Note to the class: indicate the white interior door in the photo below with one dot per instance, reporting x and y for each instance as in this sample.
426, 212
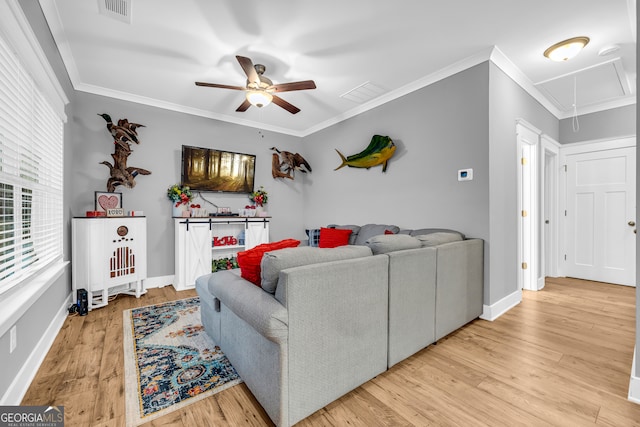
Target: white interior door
600, 218
527, 146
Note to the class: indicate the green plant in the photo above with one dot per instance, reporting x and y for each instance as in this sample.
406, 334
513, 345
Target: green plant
179, 194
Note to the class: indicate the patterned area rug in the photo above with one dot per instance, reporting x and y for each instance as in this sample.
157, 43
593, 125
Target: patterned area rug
170, 361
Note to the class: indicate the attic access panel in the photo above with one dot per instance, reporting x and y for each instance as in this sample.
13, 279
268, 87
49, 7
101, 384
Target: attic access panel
606, 82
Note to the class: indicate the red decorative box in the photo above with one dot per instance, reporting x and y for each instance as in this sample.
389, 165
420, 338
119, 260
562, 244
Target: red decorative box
94, 214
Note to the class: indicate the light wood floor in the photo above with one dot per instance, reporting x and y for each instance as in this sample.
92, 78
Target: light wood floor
562, 357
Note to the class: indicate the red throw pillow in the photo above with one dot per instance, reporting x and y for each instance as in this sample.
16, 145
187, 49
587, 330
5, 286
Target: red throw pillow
388, 232
333, 237
249, 261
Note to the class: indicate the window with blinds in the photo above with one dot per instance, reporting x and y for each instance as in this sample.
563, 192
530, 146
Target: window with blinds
31, 150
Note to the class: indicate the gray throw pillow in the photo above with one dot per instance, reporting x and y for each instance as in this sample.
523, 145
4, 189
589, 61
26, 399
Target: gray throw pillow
367, 231
273, 262
385, 243
435, 239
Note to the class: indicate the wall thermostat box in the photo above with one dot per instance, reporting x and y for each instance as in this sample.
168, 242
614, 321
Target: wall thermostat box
465, 174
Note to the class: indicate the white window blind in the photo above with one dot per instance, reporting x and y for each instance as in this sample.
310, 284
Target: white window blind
31, 150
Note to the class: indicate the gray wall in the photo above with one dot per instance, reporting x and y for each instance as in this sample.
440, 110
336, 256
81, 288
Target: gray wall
508, 102
160, 152
617, 122
438, 130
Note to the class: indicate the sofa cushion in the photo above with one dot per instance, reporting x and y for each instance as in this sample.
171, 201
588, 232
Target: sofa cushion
367, 231
274, 262
385, 243
333, 237
439, 238
249, 261
423, 231
355, 229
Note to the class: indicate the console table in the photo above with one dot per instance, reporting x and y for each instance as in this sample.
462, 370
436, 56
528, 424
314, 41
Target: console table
109, 257
201, 240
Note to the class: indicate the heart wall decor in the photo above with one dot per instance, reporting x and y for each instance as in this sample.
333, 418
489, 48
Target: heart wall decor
105, 201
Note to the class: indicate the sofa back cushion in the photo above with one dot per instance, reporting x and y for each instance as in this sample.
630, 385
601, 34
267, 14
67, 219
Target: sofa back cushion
385, 243
274, 262
249, 261
435, 239
423, 231
367, 231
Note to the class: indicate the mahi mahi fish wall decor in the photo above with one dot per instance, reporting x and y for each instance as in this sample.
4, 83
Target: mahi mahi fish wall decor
380, 150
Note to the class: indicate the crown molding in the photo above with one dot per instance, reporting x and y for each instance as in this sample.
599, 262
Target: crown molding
165, 105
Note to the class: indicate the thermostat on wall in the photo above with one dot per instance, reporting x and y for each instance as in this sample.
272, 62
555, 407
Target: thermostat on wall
465, 174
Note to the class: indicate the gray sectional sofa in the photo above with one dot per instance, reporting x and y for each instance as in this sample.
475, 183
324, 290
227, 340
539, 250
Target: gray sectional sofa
341, 316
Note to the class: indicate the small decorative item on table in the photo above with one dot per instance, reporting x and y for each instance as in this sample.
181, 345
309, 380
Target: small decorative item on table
104, 201
180, 196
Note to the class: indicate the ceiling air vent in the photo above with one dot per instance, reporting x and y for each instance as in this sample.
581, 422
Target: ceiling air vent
363, 93
116, 9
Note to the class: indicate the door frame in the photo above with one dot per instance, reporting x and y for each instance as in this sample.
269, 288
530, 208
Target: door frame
581, 148
549, 208
528, 238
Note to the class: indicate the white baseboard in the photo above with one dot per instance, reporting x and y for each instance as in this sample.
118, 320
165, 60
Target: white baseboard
158, 282
493, 311
634, 382
22, 381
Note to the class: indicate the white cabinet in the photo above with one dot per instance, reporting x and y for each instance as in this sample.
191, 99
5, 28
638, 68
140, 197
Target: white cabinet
201, 240
109, 256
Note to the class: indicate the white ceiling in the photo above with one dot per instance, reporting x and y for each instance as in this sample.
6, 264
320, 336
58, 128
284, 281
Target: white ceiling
391, 48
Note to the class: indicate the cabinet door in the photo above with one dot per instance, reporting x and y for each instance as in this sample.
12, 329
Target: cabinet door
256, 234
197, 253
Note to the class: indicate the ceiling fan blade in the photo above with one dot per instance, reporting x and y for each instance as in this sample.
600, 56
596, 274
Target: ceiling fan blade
244, 106
288, 87
249, 69
284, 104
220, 86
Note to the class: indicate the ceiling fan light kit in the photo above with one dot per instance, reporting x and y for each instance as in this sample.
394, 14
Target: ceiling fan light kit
259, 89
566, 49
259, 98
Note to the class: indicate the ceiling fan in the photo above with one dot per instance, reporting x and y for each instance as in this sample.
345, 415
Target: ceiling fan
260, 90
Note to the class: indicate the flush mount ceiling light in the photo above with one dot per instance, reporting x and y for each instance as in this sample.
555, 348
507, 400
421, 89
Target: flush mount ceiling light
566, 49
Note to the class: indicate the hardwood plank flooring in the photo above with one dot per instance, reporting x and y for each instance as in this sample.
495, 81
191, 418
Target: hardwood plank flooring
560, 358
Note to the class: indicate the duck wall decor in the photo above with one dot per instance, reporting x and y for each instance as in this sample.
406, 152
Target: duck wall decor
380, 150
285, 163
124, 134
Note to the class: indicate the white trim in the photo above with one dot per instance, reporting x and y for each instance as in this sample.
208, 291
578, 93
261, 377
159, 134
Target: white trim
549, 147
17, 300
430, 79
597, 145
158, 282
21, 382
15, 27
492, 312
510, 69
634, 382
528, 137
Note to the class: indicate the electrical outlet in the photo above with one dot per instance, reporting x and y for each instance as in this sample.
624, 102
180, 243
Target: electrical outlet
13, 338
